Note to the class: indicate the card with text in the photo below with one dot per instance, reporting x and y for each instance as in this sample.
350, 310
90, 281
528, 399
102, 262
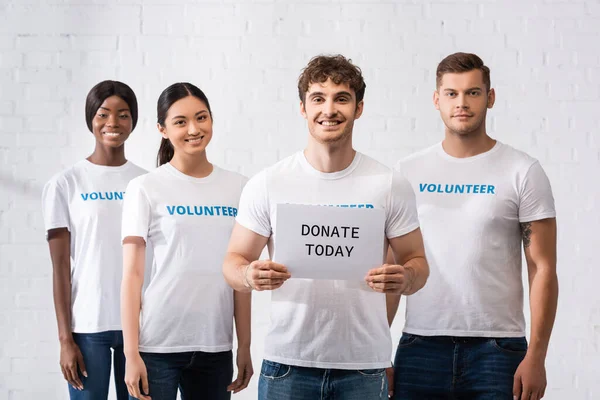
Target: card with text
323, 242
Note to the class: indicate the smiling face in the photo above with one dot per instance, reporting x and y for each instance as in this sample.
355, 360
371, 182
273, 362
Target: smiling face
112, 123
463, 99
330, 110
188, 126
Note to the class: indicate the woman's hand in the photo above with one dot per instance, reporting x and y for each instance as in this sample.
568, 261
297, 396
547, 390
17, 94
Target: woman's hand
135, 371
245, 370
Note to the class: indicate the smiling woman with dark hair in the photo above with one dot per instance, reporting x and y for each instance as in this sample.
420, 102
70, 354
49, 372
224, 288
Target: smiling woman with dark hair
82, 216
185, 208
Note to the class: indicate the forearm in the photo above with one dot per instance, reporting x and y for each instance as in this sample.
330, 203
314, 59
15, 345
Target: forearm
418, 271
242, 311
131, 296
543, 298
234, 268
392, 301
61, 285
131, 293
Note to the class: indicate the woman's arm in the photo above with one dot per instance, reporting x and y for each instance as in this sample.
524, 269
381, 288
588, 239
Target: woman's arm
134, 254
71, 359
242, 303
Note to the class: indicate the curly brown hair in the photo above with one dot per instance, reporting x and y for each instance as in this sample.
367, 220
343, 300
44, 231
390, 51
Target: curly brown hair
337, 68
462, 62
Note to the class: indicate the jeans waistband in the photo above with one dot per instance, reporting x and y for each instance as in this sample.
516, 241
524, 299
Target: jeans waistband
455, 339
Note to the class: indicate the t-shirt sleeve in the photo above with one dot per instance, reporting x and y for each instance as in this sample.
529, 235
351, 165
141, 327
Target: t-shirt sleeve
136, 211
535, 198
253, 211
55, 207
401, 215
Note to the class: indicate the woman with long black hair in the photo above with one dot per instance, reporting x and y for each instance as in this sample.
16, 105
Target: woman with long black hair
185, 209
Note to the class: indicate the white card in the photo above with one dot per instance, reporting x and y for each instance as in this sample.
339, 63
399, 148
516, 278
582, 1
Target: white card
323, 242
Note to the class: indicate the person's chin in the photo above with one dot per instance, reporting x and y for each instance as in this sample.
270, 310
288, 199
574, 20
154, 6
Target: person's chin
196, 150
462, 131
331, 135
113, 143
329, 138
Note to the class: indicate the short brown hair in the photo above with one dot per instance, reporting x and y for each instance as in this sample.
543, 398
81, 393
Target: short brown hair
337, 68
462, 62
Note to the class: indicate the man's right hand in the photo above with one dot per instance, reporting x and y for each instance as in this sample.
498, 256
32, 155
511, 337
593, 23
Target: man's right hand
71, 362
135, 371
265, 275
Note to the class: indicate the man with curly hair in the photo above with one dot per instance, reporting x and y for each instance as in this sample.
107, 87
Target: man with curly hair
328, 339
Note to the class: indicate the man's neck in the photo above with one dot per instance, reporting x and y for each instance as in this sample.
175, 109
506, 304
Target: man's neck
462, 146
329, 157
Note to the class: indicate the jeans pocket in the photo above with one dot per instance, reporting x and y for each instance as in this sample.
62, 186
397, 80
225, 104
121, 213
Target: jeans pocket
273, 370
377, 372
407, 339
517, 346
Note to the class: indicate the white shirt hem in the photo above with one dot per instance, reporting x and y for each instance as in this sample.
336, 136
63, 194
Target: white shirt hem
328, 365
537, 217
57, 224
95, 329
253, 227
404, 231
459, 333
183, 349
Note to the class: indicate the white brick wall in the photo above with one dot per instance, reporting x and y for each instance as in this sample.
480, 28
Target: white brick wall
246, 55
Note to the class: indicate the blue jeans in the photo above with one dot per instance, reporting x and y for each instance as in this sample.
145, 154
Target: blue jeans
285, 382
197, 375
96, 351
444, 367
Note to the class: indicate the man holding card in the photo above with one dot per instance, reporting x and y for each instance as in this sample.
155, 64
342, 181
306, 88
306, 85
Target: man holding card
329, 335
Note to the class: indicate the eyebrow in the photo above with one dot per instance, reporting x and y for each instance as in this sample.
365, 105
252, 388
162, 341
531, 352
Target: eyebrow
195, 115
343, 93
469, 89
108, 109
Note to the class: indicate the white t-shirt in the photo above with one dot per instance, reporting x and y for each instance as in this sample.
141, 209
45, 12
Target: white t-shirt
187, 305
87, 200
470, 210
328, 323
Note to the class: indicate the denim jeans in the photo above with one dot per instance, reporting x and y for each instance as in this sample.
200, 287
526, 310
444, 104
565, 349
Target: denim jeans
444, 367
197, 375
284, 382
96, 351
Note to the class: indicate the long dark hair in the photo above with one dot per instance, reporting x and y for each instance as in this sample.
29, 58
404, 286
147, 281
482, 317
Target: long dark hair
104, 90
170, 95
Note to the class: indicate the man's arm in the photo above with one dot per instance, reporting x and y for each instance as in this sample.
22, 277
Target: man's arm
241, 267
539, 243
409, 251
392, 301
411, 271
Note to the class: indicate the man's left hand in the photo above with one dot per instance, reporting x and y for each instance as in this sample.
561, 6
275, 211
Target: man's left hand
530, 379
